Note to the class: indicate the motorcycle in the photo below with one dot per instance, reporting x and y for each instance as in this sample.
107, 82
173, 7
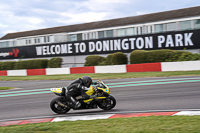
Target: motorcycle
103, 100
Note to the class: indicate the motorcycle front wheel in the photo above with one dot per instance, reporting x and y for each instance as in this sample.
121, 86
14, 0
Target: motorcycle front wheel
108, 103
54, 105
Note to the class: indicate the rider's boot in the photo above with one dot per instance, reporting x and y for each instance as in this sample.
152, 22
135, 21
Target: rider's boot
75, 103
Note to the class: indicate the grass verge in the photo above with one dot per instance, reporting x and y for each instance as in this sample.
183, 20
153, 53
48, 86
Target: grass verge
6, 88
102, 76
152, 124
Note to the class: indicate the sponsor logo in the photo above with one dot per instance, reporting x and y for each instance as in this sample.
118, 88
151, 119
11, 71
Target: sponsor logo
13, 53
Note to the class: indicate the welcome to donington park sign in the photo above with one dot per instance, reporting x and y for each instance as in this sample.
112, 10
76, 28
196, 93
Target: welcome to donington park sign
171, 40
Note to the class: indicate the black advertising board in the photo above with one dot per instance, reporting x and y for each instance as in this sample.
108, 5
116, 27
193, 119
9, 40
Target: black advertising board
171, 40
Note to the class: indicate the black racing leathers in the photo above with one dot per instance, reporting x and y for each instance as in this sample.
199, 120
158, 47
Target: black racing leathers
76, 88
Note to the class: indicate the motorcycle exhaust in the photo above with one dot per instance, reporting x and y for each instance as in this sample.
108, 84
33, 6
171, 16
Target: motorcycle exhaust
62, 105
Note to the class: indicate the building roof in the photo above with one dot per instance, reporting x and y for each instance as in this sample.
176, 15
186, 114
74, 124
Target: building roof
167, 15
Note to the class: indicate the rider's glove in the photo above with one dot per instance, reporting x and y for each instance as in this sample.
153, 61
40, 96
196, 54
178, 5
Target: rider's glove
94, 88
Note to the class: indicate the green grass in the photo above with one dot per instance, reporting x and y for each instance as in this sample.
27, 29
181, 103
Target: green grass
102, 76
152, 124
6, 88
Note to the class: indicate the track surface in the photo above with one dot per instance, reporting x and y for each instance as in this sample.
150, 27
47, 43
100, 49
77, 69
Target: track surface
136, 94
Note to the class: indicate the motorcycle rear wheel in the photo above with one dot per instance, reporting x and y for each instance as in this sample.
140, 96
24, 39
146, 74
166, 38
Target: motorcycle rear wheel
108, 103
57, 108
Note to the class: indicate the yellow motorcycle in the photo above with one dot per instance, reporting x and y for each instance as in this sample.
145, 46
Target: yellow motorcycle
103, 100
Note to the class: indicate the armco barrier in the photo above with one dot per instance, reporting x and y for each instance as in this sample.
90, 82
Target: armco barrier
36, 72
180, 66
111, 69
76, 70
54, 71
3, 73
17, 73
146, 67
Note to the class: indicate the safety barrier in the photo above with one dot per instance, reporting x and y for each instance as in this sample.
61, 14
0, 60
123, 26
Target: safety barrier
3, 73
76, 70
54, 71
181, 66
17, 73
110, 69
146, 67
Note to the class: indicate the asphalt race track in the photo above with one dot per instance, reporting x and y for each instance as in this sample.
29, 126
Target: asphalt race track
31, 98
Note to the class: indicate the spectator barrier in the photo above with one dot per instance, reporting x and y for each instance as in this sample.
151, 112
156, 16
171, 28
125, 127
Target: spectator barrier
146, 67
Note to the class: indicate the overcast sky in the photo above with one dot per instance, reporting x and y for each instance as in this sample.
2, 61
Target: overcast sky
23, 15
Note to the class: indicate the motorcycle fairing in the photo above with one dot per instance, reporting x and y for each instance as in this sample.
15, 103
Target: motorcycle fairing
57, 91
89, 92
88, 100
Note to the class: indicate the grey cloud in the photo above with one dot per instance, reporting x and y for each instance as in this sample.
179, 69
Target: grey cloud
16, 15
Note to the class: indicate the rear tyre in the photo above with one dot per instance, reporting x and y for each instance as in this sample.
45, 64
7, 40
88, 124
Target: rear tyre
58, 108
108, 103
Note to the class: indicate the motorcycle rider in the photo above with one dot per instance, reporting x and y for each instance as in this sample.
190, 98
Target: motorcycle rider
77, 88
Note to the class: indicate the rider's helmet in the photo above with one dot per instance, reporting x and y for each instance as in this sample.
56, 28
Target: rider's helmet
87, 81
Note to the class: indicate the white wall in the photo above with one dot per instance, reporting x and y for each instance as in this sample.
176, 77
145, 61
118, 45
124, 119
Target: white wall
17, 73
54, 71
111, 69
180, 66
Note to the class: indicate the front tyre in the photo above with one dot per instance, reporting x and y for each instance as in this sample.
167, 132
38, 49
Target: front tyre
54, 105
108, 103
